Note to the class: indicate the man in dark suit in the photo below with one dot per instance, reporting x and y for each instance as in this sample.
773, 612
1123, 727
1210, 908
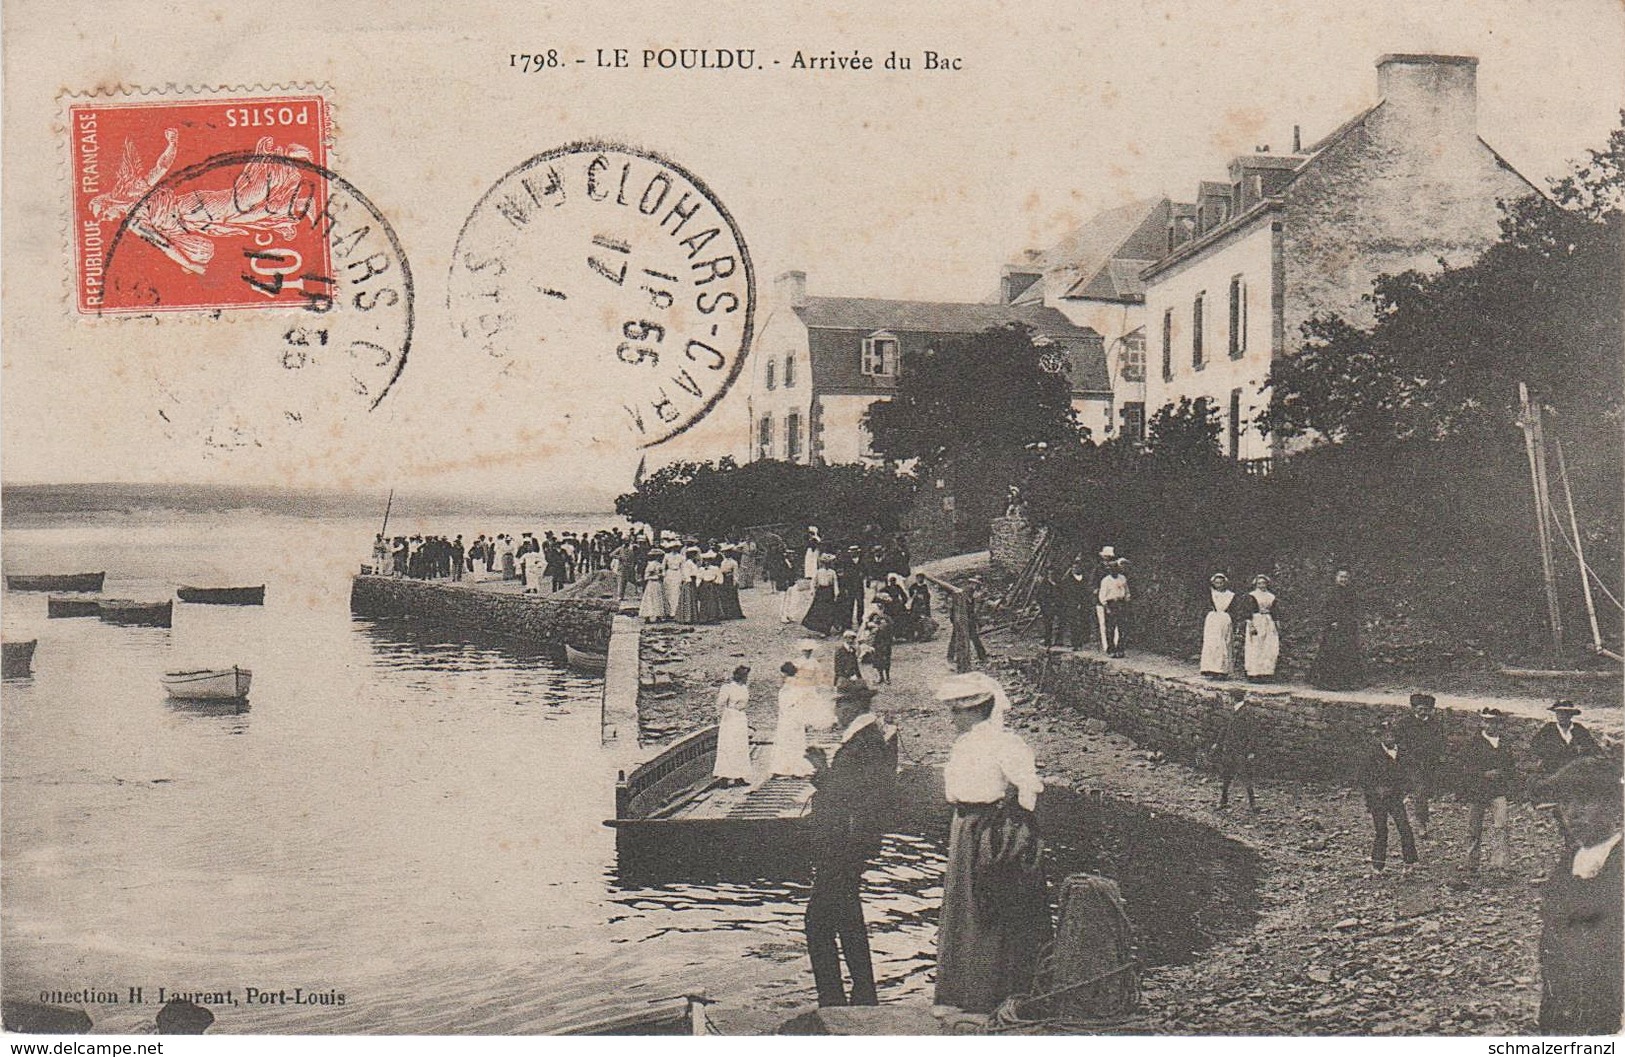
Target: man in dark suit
849, 587
850, 809
1562, 741
1382, 780
1236, 748
846, 659
1490, 776
1421, 751
1580, 955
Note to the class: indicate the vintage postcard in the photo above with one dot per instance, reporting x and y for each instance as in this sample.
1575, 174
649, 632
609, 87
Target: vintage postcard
760, 519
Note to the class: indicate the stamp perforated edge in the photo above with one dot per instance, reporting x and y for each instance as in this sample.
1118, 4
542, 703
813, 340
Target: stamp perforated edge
62, 130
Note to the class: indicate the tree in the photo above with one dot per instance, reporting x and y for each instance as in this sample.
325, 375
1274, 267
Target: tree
1543, 306
1185, 434
983, 396
721, 499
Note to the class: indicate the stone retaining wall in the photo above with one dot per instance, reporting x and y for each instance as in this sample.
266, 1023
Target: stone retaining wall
583, 623
1300, 736
1010, 543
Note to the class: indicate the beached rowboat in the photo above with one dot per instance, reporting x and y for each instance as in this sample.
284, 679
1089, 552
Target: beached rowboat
71, 607
684, 1016
223, 596
585, 660
57, 582
208, 684
125, 611
17, 658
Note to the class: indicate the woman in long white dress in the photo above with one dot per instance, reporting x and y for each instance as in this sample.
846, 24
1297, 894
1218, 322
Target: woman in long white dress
733, 729
653, 606
790, 732
1216, 661
1261, 649
672, 577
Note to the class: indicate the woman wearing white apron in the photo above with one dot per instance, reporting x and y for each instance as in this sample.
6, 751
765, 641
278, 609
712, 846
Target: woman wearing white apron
1261, 649
1216, 661
733, 729
790, 733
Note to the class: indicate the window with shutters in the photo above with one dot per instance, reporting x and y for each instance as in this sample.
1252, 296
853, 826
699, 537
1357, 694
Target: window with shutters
1238, 317
792, 436
1134, 423
1168, 345
764, 438
1198, 311
880, 356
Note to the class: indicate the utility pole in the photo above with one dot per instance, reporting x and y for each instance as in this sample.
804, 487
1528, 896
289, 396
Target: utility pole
1579, 547
1534, 445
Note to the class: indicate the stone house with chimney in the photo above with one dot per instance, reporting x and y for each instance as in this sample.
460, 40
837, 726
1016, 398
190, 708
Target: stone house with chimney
1402, 185
819, 362
1092, 276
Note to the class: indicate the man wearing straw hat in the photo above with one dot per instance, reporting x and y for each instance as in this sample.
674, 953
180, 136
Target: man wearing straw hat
849, 809
1562, 741
1490, 772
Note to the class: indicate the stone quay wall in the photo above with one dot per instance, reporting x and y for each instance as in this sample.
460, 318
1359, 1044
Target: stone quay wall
1299, 735
582, 623
1011, 541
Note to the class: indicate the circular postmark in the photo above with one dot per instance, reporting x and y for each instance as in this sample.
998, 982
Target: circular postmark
609, 288
284, 298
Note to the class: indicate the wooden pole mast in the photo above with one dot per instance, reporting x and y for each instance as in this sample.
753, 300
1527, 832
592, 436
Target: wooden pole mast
1534, 446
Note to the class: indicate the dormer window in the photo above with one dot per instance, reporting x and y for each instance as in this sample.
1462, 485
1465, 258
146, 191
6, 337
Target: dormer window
880, 355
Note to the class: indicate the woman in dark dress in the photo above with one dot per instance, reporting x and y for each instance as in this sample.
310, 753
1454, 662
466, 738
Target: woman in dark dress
1337, 663
731, 568
708, 589
824, 615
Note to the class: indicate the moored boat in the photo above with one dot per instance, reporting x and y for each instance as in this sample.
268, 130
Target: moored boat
71, 607
585, 660
222, 596
57, 582
17, 658
208, 684
676, 1016
127, 611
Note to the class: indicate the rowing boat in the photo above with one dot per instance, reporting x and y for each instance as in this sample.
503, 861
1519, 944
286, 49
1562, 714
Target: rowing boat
17, 658
71, 607
126, 611
585, 660
57, 582
676, 1016
208, 684
222, 596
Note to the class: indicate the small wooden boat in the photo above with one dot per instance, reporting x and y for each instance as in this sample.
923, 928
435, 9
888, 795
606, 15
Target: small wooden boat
126, 611
222, 596
17, 658
585, 660
57, 582
676, 1016
671, 816
208, 684
71, 607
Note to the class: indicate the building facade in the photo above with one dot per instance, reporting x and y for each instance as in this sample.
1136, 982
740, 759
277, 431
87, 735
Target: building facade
819, 362
1403, 185
1092, 276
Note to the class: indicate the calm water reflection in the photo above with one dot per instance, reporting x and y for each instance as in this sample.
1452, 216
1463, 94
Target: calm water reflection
408, 819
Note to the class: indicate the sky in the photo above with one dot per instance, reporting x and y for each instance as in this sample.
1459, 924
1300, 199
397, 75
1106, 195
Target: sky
876, 184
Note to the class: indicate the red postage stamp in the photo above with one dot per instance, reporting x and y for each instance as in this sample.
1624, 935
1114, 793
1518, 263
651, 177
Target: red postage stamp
208, 203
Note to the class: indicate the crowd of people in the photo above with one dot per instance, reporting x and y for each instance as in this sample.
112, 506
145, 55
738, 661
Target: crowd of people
556, 558
1077, 605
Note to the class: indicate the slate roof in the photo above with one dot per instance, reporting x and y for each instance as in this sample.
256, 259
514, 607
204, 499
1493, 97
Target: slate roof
933, 317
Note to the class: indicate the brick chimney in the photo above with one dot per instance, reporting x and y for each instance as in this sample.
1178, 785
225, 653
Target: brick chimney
1436, 94
790, 289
